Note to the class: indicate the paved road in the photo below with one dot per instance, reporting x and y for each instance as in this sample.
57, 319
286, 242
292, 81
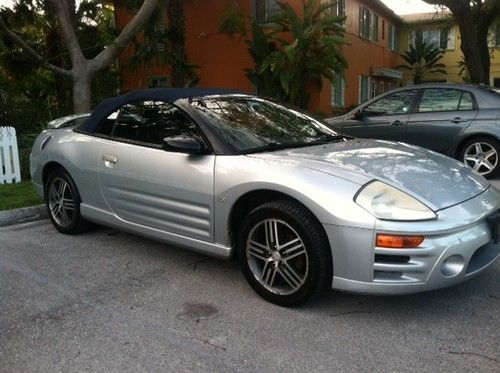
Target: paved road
110, 301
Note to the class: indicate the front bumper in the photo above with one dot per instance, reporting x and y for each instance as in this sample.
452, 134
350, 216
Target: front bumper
458, 245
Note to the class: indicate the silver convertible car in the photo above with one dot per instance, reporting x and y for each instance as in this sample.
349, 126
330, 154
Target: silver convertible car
302, 207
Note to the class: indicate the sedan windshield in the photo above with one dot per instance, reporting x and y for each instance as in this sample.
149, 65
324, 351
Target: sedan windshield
251, 124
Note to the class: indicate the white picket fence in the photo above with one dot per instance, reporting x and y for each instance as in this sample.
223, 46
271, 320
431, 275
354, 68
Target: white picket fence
9, 156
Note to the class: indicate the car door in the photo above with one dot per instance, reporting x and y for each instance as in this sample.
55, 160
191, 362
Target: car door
144, 184
384, 118
441, 115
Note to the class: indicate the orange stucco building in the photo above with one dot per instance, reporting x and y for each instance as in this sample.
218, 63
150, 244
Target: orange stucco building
371, 32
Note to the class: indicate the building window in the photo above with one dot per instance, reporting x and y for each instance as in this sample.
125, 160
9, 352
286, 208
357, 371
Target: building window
265, 8
337, 8
338, 92
364, 86
158, 82
368, 24
439, 38
496, 82
393, 38
373, 90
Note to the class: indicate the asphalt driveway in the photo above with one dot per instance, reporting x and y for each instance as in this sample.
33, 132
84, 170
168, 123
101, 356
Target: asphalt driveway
110, 301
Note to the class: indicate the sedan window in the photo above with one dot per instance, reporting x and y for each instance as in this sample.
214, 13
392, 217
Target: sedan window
445, 100
152, 121
466, 102
396, 103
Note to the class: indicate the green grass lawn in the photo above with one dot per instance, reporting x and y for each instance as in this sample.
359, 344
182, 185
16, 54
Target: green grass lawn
13, 196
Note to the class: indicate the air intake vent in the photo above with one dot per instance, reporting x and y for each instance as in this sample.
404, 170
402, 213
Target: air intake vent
398, 259
45, 142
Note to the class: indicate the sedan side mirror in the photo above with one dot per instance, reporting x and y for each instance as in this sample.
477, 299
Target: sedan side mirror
183, 144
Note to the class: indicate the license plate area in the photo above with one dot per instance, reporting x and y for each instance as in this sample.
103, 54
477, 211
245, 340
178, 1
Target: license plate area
494, 224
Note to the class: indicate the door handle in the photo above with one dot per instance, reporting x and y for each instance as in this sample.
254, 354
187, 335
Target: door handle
396, 123
458, 120
109, 160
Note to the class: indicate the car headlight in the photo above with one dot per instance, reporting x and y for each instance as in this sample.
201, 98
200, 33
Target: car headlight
388, 203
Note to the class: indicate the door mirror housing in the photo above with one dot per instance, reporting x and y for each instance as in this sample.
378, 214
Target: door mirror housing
183, 144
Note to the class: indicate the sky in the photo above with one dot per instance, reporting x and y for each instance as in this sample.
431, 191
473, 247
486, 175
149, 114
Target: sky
398, 6
409, 6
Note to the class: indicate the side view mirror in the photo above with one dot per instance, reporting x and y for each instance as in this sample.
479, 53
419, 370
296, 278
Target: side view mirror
358, 115
183, 144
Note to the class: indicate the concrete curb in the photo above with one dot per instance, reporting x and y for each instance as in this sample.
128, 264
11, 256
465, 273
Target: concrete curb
22, 215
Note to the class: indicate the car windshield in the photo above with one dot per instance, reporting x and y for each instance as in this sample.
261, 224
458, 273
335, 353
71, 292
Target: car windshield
252, 124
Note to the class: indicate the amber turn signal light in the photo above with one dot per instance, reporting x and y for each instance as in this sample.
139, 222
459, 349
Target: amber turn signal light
398, 242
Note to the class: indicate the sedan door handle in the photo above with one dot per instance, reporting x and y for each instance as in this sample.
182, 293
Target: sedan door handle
458, 120
109, 160
396, 123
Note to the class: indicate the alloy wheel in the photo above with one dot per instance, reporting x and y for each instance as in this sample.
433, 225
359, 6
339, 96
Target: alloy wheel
277, 256
61, 202
482, 157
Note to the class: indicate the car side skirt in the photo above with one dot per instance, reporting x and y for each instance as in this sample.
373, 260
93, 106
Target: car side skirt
111, 220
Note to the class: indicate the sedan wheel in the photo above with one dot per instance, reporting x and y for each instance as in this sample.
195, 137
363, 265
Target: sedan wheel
284, 253
482, 156
63, 203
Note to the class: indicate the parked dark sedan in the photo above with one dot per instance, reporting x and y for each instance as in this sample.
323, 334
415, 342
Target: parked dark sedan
459, 120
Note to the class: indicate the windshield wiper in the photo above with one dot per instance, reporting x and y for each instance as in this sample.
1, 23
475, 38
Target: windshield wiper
332, 138
272, 146
268, 148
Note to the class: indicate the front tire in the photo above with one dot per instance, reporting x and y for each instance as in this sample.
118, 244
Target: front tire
284, 253
63, 203
482, 155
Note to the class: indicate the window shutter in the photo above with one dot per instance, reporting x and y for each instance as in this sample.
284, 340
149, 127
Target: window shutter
360, 20
451, 39
375, 27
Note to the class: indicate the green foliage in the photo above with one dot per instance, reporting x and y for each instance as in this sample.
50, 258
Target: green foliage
13, 196
232, 21
293, 51
422, 59
163, 44
31, 96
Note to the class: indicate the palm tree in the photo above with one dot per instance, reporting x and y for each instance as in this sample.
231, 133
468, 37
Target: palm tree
313, 52
422, 59
284, 66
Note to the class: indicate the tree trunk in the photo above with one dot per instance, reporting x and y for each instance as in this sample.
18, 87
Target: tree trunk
473, 50
82, 84
474, 19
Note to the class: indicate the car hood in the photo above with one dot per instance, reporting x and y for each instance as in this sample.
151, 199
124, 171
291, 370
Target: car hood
434, 179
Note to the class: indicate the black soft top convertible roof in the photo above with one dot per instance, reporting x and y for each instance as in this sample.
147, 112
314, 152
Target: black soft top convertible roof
170, 95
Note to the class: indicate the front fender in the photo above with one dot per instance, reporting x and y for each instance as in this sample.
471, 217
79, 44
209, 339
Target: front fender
329, 198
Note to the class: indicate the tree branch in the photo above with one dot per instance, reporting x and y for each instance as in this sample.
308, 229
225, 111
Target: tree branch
67, 31
26, 48
137, 23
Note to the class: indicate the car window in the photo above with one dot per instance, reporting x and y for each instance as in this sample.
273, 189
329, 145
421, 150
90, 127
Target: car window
438, 99
466, 102
149, 122
396, 103
106, 126
252, 123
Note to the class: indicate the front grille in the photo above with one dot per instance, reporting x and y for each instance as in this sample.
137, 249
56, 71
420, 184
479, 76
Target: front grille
390, 265
382, 258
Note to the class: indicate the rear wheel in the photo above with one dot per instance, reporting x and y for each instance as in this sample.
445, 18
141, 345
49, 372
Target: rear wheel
284, 253
63, 203
482, 155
